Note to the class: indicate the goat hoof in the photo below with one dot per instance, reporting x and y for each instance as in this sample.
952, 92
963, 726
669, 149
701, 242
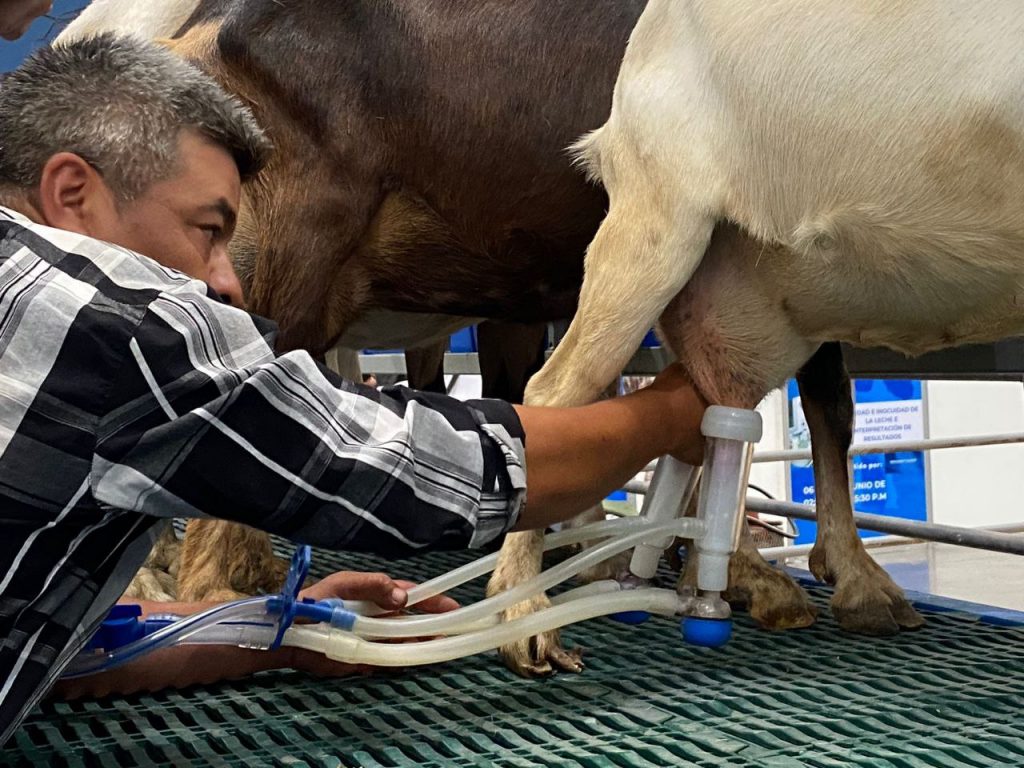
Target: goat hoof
867, 608
795, 611
866, 599
613, 568
540, 655
629, 581
775, 601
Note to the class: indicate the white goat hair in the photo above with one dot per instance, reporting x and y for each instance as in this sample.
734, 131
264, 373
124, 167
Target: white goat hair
863, 162
148, 19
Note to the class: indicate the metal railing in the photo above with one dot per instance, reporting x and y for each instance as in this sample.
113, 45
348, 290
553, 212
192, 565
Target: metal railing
992, 362
994, 538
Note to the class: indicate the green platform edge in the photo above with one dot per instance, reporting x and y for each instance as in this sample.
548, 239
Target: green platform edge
951, 694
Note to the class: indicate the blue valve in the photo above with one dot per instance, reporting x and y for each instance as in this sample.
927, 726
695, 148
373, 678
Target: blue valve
122, 626
630, 617
708, 633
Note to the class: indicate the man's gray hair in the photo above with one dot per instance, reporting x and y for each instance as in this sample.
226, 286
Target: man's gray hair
121, 104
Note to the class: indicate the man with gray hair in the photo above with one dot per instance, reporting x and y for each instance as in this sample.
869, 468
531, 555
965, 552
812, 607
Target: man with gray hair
111, 112
131, 391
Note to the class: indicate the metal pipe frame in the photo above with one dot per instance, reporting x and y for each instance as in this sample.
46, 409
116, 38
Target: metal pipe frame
899, 446
977, 538
888, 446
653, 360
801, 550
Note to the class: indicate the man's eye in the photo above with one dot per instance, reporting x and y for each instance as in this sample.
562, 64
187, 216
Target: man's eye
211, 231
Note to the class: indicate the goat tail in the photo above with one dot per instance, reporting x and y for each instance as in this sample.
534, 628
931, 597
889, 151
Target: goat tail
586, 155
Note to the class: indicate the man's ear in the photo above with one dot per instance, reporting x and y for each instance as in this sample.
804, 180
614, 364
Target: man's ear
73, 195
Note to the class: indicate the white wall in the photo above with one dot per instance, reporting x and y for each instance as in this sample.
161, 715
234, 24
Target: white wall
975, 486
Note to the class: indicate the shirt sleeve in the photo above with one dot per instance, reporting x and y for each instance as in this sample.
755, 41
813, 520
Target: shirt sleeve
205, 421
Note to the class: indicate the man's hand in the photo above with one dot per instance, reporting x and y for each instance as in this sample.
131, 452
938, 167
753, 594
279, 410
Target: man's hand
577, 456
16, 16
377, 588
685, 410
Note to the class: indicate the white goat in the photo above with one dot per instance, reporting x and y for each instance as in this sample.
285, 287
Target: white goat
869, 156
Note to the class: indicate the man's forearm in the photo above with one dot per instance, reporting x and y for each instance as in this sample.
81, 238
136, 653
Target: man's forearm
577, 456
177, 667
186, 665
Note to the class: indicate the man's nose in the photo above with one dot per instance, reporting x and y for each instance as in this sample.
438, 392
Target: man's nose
224, 280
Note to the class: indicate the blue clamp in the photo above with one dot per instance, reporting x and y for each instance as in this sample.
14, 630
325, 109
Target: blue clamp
285, 605
124, 624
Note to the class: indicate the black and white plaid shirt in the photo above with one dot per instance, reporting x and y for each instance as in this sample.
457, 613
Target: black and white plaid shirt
128, 395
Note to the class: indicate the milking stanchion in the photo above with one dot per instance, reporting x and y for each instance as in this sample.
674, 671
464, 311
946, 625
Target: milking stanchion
354, 632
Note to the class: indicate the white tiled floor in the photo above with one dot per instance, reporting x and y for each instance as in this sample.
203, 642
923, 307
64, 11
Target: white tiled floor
975, 575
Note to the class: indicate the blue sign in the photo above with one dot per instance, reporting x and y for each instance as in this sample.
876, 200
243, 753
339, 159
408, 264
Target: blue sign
890, 484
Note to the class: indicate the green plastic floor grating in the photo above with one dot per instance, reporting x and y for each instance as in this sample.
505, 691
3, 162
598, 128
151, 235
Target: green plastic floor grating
949, 695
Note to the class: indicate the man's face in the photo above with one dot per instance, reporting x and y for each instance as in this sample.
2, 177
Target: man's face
186, 221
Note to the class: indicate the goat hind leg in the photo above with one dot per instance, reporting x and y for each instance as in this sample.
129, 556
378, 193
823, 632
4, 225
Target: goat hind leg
636, 264
639, 260
866, 599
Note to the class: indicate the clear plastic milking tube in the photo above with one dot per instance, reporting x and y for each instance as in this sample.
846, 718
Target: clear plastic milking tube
671, 488
731, 434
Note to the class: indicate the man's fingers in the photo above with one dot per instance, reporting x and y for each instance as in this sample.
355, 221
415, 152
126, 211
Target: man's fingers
378, 588
435, 604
